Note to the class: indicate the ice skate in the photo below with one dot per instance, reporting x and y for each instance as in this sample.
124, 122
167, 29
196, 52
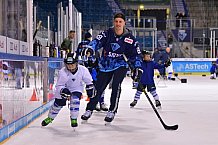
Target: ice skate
133, 103
86, 116
46, 121
97, 108
109, 118
103, 107
212, 78
158, 104
74, 122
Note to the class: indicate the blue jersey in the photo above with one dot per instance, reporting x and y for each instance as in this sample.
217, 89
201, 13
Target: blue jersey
92, 64
156, 56
113, 49
82, 45
164, 57
213, 68
148, 67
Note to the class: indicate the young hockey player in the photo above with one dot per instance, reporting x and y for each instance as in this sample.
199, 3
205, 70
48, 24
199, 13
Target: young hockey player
214, 69
83, 45
147, 78
115, 42
91, 62
165, 55
70, 85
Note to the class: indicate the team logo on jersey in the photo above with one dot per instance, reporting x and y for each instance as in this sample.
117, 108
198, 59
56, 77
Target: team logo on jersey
128, 40
99, 37
115, 46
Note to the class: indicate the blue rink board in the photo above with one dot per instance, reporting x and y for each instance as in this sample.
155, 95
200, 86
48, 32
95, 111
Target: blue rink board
14, 127
192, 66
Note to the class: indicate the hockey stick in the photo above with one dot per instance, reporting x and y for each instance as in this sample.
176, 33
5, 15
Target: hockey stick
167, 127
176, 75
182, 80
38, 26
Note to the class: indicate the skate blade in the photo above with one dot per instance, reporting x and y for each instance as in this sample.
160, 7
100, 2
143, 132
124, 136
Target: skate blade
104, 110
107, 123
74, 129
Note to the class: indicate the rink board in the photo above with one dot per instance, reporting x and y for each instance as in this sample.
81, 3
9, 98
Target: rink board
14, 127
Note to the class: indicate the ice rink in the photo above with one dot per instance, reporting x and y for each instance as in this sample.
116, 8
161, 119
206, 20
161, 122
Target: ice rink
192, 105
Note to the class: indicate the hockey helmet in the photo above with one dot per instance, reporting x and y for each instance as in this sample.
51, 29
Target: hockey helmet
71, 58
88, 35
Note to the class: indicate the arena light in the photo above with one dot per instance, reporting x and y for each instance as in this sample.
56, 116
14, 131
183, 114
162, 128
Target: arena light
141, 7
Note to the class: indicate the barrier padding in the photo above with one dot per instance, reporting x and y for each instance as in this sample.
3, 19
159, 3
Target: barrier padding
15, 126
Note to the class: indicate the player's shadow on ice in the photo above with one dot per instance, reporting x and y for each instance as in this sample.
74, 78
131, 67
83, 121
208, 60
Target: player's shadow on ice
62, 132
147, 109
123, 128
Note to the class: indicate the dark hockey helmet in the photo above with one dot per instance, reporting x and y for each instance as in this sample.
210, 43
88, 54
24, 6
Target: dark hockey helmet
71, 58
88, 35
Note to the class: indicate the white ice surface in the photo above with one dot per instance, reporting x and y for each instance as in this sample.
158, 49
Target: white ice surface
193, 106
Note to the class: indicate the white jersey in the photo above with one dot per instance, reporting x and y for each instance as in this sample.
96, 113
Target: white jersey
74, 82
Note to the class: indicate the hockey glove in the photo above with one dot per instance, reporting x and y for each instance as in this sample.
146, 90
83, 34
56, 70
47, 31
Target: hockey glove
92, 62
88, 51
90, 90
167, 63
137, 73
65, 93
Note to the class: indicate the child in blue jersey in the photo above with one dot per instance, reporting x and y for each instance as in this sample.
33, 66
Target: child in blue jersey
87, 58
82, 46
115, 42
214, 69
91, 62
147, 78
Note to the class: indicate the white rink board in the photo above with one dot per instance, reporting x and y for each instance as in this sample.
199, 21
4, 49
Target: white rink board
13, 46
24, 49
3, 44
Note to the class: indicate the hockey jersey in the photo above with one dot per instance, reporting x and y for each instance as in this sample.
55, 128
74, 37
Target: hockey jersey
148, 67
214, 67
113, 49
164, 56
74, 82
82, 45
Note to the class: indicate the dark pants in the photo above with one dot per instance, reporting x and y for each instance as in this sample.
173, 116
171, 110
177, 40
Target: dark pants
162, 71
150, 87
103, 80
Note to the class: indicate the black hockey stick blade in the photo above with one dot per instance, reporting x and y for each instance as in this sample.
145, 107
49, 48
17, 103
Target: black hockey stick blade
174, 127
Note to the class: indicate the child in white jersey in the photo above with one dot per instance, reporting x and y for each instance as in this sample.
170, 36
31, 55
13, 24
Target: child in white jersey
70, 87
